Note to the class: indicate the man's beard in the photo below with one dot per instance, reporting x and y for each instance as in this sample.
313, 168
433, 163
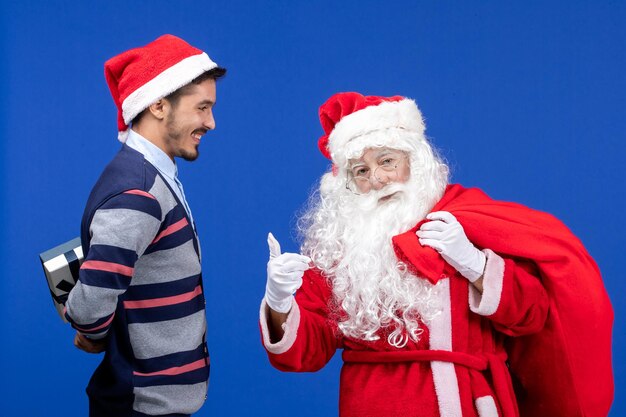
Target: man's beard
175, 137
349, 239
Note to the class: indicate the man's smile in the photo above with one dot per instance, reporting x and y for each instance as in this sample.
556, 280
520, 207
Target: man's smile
197, 134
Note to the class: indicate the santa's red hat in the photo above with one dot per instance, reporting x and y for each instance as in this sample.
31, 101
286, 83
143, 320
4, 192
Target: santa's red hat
139, 77
353, 122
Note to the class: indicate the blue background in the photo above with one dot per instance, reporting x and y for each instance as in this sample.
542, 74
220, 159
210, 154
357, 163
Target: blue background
526, 101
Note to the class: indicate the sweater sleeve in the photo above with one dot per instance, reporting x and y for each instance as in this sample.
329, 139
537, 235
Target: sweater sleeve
121, 230
513, 297
310, 339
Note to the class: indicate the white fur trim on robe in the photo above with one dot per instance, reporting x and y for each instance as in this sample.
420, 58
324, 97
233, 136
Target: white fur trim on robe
488, 302
290, 327
444, 374
486, 406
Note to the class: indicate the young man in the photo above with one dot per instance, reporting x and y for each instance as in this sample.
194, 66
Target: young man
422, 283
139, 296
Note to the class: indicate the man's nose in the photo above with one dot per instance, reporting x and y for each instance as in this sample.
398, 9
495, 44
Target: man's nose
209, 121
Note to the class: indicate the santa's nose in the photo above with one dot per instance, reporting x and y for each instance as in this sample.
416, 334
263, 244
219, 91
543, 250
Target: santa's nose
378, 183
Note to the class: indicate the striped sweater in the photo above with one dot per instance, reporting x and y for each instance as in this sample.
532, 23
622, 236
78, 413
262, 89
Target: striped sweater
140, 286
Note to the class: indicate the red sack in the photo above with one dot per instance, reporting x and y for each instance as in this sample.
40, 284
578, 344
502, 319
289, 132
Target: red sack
564, 370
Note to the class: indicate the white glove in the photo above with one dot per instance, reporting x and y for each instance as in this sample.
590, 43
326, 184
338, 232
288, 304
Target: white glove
446, 235
284, 276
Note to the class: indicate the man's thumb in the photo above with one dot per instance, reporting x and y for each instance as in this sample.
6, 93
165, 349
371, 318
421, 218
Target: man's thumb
273, 245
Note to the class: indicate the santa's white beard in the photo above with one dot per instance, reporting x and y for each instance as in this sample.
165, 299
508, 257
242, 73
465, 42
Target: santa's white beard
349, 239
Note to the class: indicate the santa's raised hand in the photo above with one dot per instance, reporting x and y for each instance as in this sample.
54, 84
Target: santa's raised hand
284, 276
446, 235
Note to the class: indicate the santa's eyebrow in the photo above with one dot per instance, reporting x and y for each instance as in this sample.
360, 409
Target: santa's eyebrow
356, 164
386, 152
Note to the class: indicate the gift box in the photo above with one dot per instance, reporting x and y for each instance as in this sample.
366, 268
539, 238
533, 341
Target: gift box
61, 265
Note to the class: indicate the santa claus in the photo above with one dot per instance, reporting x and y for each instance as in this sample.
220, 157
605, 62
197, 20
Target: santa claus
421, 307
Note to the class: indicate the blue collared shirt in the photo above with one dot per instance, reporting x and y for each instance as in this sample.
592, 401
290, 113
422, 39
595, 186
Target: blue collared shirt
162, 163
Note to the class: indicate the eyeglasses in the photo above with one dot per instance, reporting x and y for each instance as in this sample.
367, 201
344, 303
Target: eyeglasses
361, 176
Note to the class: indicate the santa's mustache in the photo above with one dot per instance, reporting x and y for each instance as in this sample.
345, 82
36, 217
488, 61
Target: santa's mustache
376, 198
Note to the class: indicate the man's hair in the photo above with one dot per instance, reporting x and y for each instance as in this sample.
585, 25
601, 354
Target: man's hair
174, 97
215, 74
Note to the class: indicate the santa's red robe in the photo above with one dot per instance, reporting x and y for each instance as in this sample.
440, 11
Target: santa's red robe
458, 367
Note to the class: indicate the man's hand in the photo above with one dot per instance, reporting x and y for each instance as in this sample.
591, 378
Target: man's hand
284, 276
89, 345
446, 235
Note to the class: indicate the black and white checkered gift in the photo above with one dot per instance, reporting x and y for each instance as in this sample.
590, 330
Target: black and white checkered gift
61, 265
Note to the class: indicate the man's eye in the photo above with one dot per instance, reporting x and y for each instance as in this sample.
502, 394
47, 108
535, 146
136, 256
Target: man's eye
387, 161
203, 108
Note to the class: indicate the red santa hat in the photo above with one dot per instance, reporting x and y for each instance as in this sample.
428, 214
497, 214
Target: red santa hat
353, 122
139, 77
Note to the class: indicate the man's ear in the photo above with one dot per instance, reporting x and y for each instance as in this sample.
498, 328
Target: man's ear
159, 108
